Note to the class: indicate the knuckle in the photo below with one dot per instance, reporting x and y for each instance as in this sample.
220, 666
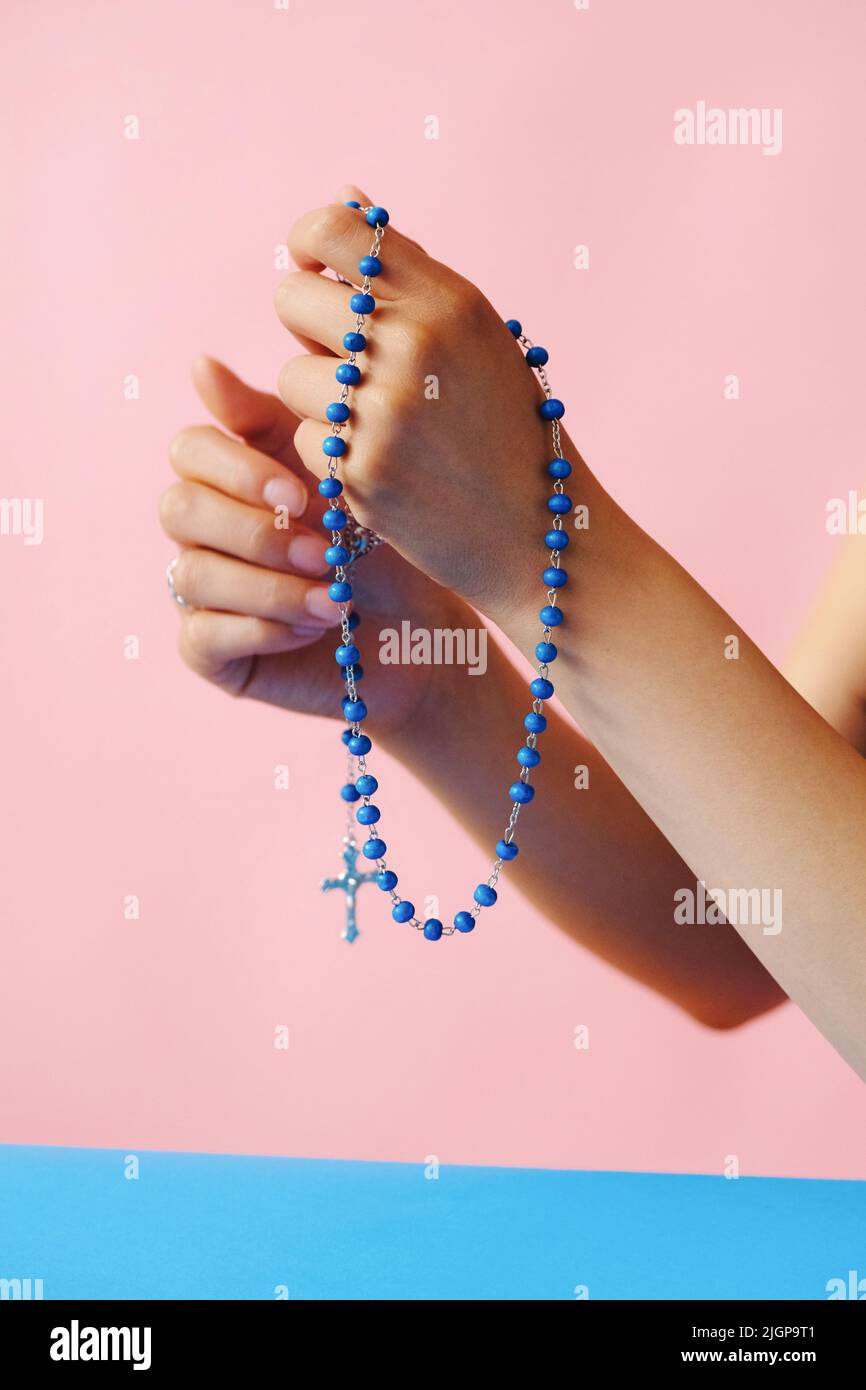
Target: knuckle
175, 507
286, 293
329, 226
461, 294
179, 446
421, 337
241, 476
461, 305
287, 380
273, 594
194, 641
187, 441
307, 440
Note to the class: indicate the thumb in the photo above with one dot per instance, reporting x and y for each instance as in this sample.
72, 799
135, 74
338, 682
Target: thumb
259, 418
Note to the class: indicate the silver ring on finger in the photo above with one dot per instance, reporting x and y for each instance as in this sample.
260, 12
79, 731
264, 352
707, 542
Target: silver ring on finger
169, 576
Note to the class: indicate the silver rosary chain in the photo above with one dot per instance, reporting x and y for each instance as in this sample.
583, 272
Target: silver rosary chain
362, 541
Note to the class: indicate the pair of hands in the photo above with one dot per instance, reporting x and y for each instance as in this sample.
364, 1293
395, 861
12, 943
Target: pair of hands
452, 482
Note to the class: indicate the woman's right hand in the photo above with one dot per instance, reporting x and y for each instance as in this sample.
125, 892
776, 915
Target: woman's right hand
247, 518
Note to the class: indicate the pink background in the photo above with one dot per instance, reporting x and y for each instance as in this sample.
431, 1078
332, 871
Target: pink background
125, 777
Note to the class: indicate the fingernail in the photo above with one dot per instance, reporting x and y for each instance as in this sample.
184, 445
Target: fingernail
308, 554
321, 605
285, 492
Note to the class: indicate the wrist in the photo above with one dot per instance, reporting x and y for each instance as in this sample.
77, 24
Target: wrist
425, 665
452, 706
603, 558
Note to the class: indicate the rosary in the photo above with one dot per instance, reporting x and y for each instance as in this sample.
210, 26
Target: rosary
349, 542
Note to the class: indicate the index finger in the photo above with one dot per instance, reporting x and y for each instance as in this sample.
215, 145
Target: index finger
338, 237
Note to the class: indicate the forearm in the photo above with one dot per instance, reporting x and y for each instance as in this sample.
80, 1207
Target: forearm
828, 661
590, 858
746, 781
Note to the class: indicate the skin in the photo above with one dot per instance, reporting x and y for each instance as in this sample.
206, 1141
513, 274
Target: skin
827, 663
694, 760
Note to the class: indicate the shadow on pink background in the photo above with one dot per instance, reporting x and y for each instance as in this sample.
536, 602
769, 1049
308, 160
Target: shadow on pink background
130, 777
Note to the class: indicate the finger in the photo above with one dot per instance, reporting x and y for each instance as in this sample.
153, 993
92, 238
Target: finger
308, 387
219, 583
338, 237
350, 192
209, 641
359, 488
258, 417
311, 306
204, 454
309, 437
193, 514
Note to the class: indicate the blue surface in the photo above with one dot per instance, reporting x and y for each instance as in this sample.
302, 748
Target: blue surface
211, 1226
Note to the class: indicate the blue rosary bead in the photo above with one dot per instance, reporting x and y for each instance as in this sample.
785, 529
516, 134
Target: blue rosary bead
352, 204
370, 266
551, 616
377, 217
521, 792
560, 502
559, 468
556, 540
362, 303
542, 689
554, 577
335, 520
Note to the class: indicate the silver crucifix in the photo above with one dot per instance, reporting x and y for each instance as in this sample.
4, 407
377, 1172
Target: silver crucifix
350, 881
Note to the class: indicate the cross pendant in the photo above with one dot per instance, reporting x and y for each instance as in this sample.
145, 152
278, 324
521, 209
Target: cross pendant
350, 881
